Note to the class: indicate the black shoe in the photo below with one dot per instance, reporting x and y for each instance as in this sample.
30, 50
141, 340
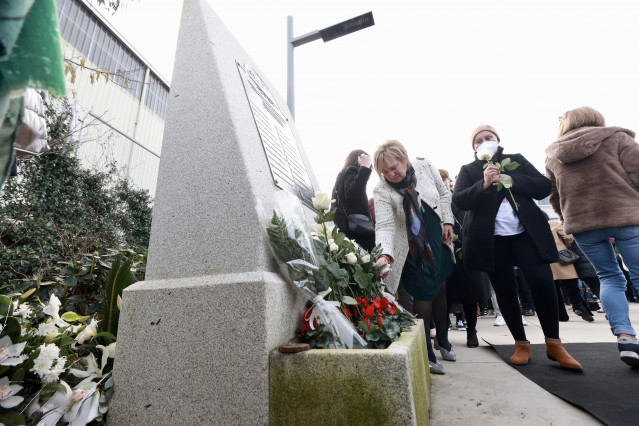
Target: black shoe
594, 306
471, 338
584, 315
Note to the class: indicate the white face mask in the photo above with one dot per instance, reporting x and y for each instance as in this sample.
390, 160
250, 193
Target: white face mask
487, 150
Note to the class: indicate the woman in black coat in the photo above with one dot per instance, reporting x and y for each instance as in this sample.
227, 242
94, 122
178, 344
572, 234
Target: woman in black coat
501, 231
350, 196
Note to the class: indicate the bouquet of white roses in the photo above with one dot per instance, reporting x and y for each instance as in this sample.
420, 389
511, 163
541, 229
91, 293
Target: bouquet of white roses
348, 302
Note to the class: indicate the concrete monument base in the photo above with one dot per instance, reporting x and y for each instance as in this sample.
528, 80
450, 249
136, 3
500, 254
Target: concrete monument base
353, 386
206, 347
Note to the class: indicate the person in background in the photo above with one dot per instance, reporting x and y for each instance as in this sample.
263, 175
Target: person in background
462, 287
350, 196
504, 229
566, 277
594, 173
587, 275
415, 229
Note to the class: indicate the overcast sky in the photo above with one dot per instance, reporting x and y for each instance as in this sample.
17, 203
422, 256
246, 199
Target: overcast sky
427, 73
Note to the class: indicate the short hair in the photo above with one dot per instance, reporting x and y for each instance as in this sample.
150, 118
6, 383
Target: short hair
388, 150
351, 159
580, 117
444, 174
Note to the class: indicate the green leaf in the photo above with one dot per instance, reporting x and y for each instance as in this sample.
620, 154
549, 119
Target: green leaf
339, 238
322, 280
499, 186
336, 271
362, 279
12, 329
512, 166
348, 300
328, 216
27, 293
52, 388
498, 165
73, 317
505, 162
5, 306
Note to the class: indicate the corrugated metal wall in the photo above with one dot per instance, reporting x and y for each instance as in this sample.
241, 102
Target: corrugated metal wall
114, 122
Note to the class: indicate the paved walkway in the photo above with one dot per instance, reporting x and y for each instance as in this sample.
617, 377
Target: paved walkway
481, 389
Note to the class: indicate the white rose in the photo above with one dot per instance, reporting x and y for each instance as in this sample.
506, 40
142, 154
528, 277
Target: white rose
351, 258
333, 248
321, 201
484, 154
366, 258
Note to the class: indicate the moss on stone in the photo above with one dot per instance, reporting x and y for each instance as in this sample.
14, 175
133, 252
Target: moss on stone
357, 387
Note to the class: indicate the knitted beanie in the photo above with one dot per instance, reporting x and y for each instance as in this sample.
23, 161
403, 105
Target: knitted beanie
481, 128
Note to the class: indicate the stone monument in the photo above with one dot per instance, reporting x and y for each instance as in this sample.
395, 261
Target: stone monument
194, 338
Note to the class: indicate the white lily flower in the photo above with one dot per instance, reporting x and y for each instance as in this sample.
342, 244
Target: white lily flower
85, 399
92, 368
52, 310
8, 392
10, 353
351, 258
111, 350
53, 307
89, 331
54, 408
366, 258
333, 248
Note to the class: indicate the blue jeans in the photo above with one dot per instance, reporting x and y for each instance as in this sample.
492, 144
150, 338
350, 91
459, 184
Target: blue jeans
600, 252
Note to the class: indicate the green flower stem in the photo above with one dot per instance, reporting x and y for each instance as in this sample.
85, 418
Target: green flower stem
513, 198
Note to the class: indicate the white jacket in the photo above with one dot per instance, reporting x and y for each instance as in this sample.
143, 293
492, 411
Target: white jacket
32, 134
390, 219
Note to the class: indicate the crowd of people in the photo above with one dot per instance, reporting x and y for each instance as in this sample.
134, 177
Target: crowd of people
449, 247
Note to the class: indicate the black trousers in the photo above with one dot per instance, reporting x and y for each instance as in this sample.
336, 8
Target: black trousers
519, 250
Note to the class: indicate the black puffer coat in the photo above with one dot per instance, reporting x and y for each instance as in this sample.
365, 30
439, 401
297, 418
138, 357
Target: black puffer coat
482, 205
350, 196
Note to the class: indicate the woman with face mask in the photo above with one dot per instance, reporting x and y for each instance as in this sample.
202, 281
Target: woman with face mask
505, 229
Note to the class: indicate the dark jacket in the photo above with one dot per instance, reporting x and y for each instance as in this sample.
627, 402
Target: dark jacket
350, 197
582, 265
481, 207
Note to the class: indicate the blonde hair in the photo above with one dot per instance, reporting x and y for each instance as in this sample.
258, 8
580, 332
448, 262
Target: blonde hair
391, 149
444, 174
580, 117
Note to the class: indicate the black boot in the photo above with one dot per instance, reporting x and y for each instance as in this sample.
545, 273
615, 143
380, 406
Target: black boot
580, 309
471, 338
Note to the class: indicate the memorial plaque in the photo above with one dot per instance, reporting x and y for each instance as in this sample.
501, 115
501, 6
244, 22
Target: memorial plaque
284, 159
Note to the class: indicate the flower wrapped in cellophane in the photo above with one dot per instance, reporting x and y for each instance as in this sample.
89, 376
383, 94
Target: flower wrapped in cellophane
347, 305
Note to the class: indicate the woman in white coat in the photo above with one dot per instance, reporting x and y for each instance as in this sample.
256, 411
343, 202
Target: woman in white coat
414, 227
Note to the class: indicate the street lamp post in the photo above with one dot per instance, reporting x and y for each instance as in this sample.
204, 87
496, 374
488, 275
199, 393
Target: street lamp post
327, 34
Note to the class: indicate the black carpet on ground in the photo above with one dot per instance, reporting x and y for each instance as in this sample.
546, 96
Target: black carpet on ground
608, 389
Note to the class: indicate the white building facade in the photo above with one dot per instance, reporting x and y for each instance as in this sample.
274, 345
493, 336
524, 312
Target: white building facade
118, 99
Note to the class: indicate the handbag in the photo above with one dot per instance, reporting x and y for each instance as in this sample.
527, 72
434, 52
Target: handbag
567, 257
359, 225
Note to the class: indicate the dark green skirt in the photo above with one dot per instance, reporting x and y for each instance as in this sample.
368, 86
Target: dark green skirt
428, 288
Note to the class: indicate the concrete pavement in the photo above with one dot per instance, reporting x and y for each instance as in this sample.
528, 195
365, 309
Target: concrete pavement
481, 389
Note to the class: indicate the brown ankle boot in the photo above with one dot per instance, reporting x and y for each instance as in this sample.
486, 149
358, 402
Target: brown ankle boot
522, 353
556, 352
